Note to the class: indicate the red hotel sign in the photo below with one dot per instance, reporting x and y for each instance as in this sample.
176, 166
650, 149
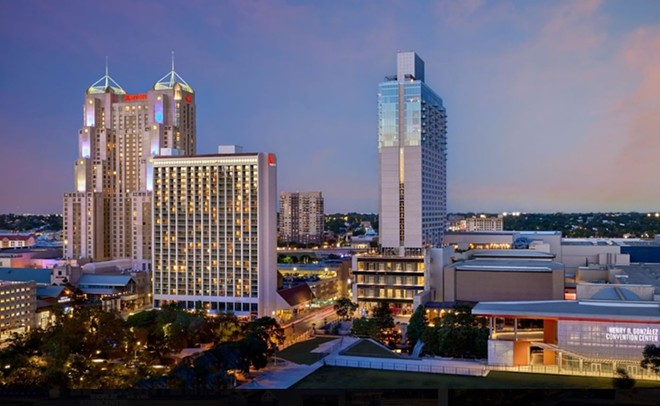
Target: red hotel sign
131, 97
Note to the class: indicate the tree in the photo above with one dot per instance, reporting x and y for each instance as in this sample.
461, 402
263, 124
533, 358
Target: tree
365, 328
345, 308
417, 325
651, 356
623, 380
457, 333
383, 315
262, 336
226, 328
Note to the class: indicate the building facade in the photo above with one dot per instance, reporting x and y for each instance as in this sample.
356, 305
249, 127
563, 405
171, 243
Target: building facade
480, 223
215, 232
15, 240
108, 216
18, 306
567, 336
412, 153
302, 217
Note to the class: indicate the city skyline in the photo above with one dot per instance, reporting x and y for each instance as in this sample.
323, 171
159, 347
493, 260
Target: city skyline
553, 104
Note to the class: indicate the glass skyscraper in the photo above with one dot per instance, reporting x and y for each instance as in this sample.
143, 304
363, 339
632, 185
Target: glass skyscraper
412, 150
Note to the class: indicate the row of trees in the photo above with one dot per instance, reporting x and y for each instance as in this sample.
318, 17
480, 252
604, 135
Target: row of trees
92, 348
608, 225
29, 222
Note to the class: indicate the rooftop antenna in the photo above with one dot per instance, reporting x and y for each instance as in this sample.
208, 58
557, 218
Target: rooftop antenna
105, 83
106, 72
168, 81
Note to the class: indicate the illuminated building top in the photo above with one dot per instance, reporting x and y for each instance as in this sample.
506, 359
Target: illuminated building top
168, 81
105, 84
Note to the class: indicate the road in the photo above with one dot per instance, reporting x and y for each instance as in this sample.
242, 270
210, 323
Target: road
307, 323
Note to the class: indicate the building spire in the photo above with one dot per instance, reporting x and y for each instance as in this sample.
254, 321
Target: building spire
106, 83
168, 81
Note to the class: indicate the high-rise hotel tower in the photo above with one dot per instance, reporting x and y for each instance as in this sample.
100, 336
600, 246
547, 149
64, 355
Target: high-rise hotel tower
109, 214
412, 153
215, 232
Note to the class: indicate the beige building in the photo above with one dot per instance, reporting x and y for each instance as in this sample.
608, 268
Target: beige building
108, 216
15, 240
302, 217
18, 305
483, 223
499, 275
215, 232
477, 223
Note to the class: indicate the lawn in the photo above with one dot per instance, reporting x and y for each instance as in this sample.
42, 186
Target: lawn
366, 348
300, 353
360, 378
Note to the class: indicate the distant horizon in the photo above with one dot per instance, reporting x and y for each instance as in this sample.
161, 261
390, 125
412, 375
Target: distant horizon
551, 105
448, 213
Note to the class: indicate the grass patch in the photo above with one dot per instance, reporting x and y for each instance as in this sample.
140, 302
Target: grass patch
366, 348
300, 353
360, 378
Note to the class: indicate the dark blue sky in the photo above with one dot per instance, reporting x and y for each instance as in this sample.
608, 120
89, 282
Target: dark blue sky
552, 106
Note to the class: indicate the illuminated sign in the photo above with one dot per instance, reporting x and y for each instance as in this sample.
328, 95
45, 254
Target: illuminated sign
632, 334
271, 160
188, 98
131, 97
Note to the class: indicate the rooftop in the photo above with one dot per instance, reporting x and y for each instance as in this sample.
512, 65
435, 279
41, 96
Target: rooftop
507, 265
573, 309
38, 275
513, 253
104, 280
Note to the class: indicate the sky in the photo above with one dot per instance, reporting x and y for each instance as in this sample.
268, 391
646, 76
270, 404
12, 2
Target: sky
552, 105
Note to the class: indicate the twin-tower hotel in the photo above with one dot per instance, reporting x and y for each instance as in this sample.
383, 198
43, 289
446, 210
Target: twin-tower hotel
204, 225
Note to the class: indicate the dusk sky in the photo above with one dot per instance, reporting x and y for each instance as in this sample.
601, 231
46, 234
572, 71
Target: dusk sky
552, 106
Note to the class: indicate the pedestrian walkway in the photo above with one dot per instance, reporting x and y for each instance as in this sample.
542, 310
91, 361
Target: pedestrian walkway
280, 376
284, 374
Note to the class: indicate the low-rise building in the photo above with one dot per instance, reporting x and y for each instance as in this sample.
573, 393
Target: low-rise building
571, 336
111, 292
18, 305
16, 240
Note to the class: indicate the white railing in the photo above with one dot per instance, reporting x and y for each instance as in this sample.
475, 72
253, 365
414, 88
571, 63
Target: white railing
406, 367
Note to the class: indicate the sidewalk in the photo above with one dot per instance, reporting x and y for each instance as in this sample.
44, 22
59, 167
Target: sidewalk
286, 373
280, 376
